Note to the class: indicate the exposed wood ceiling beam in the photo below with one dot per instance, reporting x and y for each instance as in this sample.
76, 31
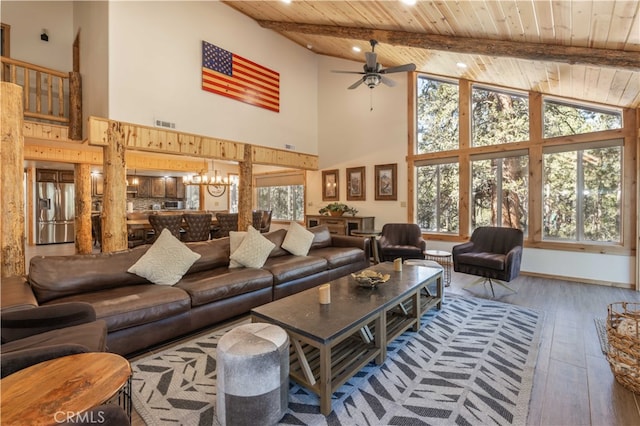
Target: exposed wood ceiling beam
475, 46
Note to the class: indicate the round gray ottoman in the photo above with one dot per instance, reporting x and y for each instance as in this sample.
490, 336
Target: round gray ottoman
253, 375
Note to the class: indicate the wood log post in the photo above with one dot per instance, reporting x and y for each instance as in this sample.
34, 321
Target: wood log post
75, 106
82, 179
245, 190
11, 189
114, 199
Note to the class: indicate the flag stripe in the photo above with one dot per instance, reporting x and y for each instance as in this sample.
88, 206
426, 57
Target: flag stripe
238, 94
238, 78
238, 83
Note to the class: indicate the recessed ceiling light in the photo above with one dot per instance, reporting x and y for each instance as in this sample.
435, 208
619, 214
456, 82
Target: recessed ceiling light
356, 49
461, 65
286, 1
309, 46
409, 2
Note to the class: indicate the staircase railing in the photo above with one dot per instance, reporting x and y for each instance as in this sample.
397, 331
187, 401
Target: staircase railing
48, 95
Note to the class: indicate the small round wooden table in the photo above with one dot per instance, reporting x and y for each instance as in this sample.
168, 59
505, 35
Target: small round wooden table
53, 391
372, 234
445, 259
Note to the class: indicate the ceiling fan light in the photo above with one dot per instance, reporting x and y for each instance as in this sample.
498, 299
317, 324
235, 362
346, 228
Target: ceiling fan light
372, 80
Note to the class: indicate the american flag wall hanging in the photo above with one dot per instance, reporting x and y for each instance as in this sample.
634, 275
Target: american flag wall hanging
230, 75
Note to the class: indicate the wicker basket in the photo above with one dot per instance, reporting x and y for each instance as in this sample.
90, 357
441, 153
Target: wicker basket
623, 333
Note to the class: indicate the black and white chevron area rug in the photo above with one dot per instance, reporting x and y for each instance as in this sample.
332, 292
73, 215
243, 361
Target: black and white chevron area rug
471, 363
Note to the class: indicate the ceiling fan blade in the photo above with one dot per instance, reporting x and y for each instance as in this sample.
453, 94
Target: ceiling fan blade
387, 81
347, 72
401, 68
372, 60
356, 84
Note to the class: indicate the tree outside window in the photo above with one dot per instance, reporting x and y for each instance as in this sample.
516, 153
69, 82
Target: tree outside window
582, 195
437, 118
500, 189
437, 197
285, 202
561, 119
498, 117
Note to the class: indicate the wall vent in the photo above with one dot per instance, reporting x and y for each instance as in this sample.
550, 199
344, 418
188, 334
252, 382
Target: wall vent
290, 147
165, 124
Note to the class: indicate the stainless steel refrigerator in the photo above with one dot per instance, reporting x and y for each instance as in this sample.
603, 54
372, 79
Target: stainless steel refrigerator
55, 212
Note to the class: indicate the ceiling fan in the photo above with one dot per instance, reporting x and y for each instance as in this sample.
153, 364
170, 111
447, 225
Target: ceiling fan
373, 73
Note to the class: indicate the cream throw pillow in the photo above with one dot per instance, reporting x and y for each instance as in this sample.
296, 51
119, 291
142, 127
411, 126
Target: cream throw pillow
166, 261
298, 240
235, 239
254, 249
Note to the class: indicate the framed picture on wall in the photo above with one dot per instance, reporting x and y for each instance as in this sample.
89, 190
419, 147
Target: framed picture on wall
330, 185
356, 189
386, 176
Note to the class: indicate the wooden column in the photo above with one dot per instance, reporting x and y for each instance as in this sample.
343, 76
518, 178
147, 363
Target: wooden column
11, 189
245, 190
82, 179
75, 106
114, 199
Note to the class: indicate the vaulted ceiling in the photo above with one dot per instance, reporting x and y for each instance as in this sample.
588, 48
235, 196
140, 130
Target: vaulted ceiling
585, 50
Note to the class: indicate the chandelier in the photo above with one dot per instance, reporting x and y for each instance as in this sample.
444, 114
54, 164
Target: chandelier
215, 183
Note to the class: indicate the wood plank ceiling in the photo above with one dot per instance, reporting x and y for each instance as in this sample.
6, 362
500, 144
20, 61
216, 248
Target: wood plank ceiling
585, 50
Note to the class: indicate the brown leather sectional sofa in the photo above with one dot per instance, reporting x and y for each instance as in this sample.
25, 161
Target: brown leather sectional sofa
140, 314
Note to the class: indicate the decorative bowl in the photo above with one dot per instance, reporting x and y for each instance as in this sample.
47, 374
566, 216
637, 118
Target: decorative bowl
370, 279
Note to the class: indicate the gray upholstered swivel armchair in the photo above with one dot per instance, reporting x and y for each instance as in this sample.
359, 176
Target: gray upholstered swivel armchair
34, 335
493, 253
401, 240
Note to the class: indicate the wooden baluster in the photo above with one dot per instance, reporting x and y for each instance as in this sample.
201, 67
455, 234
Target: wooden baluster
38, 92
49, 94
27, 89
60, 97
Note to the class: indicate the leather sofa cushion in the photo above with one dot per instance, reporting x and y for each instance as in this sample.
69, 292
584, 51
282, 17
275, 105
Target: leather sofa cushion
91, 335
322, 237
277, 238
222, 283
213, 254
53, 277
125, 307
483, 259
339, 256
289, 268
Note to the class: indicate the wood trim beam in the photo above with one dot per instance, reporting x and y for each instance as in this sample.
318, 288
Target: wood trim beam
475, 46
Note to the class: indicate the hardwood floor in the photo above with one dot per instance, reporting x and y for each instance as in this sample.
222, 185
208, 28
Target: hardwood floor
573, 384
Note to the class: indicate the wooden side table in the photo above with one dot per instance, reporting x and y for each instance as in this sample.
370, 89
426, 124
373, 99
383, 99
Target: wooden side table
445, 259
51, 392
371, 234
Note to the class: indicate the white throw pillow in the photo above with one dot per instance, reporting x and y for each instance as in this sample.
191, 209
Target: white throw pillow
235, 239
166, 261
298, 240
254, 249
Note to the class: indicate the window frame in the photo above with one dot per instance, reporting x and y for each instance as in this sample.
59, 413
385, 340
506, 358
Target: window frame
534, 146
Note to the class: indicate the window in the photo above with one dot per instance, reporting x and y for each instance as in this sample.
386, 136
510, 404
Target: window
233, 193
437, 118
498, 117
283, 194
561, 119
582, 193
437, 195
500, 188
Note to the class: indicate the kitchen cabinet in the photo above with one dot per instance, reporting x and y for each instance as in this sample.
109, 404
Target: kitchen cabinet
158, 187
65, 176
144, 187
341, 225
180, 188
170, 187
46, 175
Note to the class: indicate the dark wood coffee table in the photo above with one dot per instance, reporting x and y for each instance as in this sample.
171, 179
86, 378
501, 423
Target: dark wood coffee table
330, 343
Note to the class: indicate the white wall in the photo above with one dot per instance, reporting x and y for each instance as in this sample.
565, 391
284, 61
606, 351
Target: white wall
28, 19
90, 20
155, 63
352, 134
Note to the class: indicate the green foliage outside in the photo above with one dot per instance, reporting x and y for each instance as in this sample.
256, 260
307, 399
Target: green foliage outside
285, 202
581, 198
